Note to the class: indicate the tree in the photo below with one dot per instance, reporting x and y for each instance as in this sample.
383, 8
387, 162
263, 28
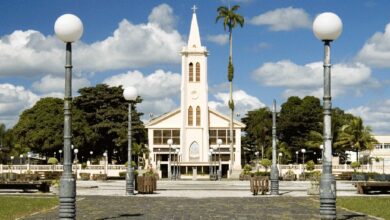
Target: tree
106, 112
300, 123
258, 130
40, 128
230, 20
356, 136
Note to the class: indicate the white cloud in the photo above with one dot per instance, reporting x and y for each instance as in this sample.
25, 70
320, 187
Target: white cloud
220, 39
376, 51
158, 89
50, 84
155, 85
308, 79
283, 19
13, 100
162, 15
376, 115
30, 53
243, 102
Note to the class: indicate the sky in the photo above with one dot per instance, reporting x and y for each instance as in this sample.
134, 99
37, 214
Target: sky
137, 43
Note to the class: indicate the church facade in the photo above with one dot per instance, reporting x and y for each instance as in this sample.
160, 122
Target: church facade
194, 128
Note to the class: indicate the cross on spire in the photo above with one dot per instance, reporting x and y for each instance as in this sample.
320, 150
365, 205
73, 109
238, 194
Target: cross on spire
194, 8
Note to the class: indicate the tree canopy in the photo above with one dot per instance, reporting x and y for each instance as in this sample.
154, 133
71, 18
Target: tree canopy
99, 123
300, 125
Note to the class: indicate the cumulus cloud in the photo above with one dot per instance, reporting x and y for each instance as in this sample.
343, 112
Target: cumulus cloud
220, 39
376, 51
13, 100
302, 80
50, 84
243, 102
30, 53
283, 19
158, 89
162, 15
375, 115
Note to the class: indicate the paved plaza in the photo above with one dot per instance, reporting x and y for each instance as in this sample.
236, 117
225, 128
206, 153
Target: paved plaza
199, 200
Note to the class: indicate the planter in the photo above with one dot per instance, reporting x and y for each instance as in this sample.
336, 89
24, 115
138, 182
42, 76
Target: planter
146, 184
101, 177
314, 189
359, 177
85, 176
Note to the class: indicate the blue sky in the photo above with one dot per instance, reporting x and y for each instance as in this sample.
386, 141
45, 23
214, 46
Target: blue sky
137, 43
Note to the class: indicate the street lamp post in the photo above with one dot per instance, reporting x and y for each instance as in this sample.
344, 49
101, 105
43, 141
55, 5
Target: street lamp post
130, 94
177, 164
274, 168
219, 142
68, 28
216, 163
60, 151
75, 159
90, 157
210, 159
169, 142
280, 155
20, 159
257, 160
303, 155
75, 155
327, 27
105, 162
212, 164
296, 155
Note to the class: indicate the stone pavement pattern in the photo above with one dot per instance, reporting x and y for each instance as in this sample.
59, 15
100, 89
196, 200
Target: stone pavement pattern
137, 207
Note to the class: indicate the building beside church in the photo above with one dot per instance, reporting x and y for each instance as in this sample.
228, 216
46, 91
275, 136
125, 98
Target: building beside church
194, 128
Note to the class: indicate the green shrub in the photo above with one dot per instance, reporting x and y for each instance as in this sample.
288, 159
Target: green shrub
266, 163
122, 174
260, 173
355, 165
83, 165
85, 176
133, 164
52, 161
310, 165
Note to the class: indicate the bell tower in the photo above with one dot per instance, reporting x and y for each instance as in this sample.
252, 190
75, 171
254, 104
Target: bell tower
194, 97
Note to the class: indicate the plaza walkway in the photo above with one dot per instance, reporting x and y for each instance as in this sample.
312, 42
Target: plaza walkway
186, 200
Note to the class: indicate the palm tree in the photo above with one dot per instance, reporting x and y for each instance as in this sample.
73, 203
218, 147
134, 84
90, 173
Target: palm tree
230, 20
355, 135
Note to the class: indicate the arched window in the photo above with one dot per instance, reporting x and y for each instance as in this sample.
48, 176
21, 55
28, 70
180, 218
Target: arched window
190, 117
191, 72
197, 72
197, 116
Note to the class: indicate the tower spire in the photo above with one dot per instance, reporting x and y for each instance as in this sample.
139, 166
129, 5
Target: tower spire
194, 38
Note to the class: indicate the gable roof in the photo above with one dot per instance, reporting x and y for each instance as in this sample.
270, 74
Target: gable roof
219, 114
162, 118
168, 115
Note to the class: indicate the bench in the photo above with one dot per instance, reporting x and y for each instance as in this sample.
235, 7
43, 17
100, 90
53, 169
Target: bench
367, 186
259, 183
43, 186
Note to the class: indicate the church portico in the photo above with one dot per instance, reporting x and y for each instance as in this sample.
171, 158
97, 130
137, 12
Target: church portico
194, 128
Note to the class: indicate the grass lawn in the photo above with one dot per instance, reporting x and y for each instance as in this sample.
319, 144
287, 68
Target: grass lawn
17, 206
372, 205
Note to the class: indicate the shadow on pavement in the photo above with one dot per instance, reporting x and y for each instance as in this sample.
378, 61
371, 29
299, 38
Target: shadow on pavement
121, 216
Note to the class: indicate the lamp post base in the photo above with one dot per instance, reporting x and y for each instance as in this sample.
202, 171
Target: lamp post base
274, 180
130, 183
328, 197
67, 194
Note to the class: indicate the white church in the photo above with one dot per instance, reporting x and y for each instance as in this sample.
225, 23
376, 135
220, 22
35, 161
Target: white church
194, 128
